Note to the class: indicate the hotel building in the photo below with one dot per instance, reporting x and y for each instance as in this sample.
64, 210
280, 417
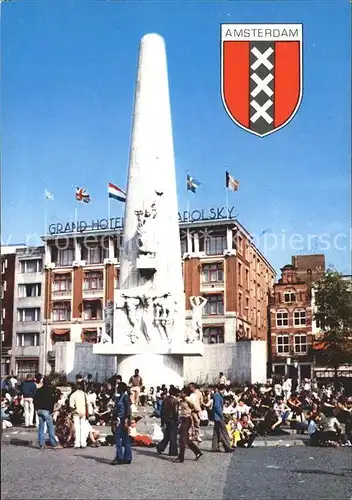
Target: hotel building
220, 262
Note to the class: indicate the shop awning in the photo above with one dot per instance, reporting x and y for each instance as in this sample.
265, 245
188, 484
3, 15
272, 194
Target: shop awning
60, 331
320, 345
90, 330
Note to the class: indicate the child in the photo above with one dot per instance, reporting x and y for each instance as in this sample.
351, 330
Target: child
204, 418
139, 439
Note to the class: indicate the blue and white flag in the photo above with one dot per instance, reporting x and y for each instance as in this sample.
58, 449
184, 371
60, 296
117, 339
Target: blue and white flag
192, 183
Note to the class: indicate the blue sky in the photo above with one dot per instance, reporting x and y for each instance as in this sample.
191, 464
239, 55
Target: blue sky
68, 75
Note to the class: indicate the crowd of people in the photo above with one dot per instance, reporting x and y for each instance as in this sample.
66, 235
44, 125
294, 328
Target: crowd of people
237, 415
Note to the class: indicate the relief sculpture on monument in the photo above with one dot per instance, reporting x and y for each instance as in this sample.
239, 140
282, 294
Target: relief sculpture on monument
146, 233
197, 304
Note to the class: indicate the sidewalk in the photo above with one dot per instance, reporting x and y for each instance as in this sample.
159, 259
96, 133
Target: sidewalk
20, 436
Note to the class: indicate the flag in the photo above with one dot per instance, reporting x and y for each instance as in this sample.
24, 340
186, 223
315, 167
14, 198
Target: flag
192, 183
231, 183
116, 192
48, 195
265, 231
82, 195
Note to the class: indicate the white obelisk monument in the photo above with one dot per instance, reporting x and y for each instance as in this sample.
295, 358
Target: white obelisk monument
149, 331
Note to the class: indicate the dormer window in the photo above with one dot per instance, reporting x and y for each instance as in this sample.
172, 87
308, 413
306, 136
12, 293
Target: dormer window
290, 296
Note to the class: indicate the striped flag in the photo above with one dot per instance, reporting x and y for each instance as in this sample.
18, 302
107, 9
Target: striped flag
231, 182
116, 193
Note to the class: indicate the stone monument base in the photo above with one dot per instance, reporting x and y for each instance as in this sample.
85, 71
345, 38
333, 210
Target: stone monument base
155, 369
182, 348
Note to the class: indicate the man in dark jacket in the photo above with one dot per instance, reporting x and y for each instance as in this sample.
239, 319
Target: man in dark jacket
169, 415
122, 414
28, 391
44, 401
220, 433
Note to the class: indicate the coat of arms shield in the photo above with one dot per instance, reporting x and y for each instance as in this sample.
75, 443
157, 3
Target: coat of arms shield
261, 74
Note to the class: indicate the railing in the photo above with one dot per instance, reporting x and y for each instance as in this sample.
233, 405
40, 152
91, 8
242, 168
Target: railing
93, 292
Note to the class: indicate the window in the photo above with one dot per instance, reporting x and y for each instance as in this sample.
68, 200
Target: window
90, 335
65, 257
60, 336
240, 274
299, 318
28, 314
213, 335
283, 344
62, 283
3, 313
247, 279
27, 367
3, 266
282, 318
300, 344
246, 312
259, 319
30, 266
183, 246
27, 339
215, 245
215, 305
30, 290
240, 245
2, 336
212, 272
94, 254
92, 310
93, 281
289, 296
240, 302
62, 311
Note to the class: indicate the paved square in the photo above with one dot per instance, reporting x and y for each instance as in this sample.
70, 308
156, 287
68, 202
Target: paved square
261, 473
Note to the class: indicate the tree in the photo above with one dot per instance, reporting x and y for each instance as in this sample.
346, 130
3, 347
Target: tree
333, 301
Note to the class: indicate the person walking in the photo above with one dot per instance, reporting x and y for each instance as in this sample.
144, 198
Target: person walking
185, 413
197, 399
79, 404
170, 418
28, 391
122, 415
220, 434
44, 401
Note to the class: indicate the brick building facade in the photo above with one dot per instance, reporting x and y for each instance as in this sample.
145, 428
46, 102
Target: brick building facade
291, 326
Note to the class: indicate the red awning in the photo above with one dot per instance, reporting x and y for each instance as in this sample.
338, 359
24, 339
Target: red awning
90, 330
61, 331
319, 346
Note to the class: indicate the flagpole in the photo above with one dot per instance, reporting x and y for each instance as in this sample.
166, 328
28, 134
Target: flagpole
226, 200
45, 215
76, 216
109, 209
188, 208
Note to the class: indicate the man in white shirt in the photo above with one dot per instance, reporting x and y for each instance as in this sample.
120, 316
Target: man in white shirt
78, 403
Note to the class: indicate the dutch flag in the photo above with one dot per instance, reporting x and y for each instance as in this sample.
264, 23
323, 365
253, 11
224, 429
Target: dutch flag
116, 193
